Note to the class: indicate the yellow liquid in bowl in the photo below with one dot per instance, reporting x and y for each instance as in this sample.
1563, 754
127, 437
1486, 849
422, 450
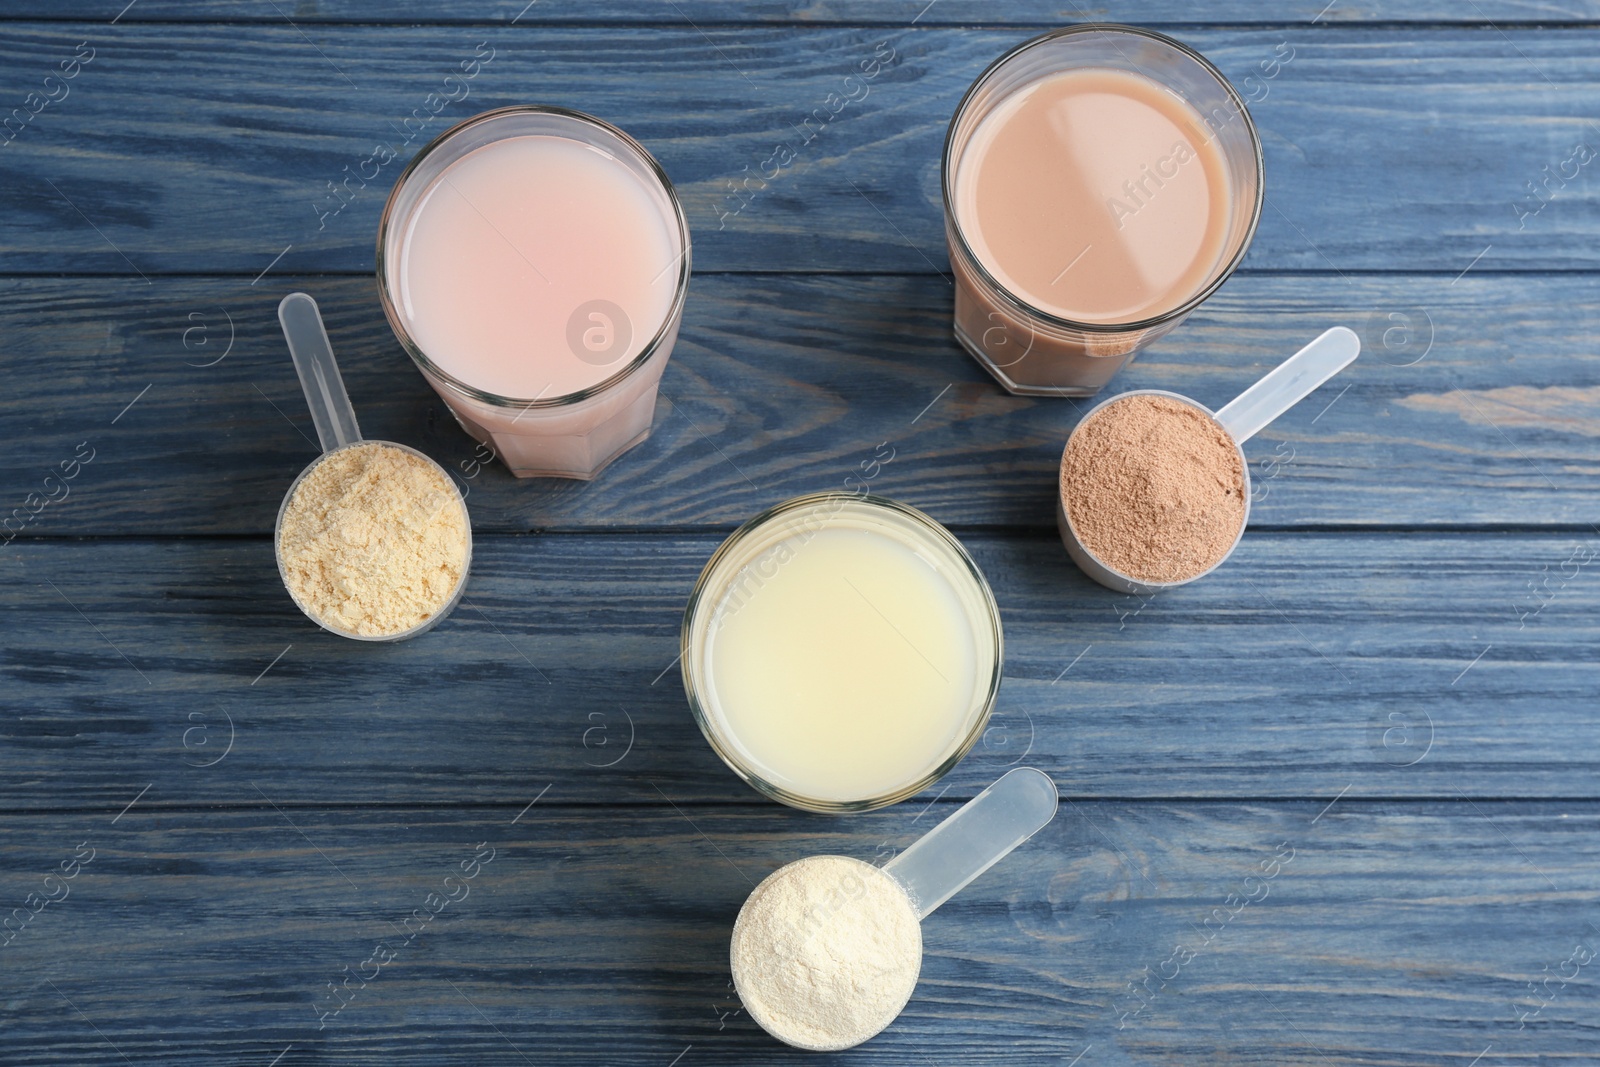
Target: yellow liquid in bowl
842, 664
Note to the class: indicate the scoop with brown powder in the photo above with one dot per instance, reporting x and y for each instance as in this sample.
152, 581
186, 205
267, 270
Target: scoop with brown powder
374, 541
1154, 488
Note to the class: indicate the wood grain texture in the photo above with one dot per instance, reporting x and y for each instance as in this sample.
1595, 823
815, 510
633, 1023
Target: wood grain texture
205, 149
860, 12
1410, 666
1475, 403
1392, 681
1384, 934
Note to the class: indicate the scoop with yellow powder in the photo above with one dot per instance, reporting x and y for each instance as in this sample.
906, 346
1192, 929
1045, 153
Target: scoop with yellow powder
373, 540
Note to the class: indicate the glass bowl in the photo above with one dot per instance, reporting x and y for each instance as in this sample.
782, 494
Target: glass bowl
749, 558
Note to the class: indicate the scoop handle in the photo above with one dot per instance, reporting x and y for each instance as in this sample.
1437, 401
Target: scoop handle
979, 835
1289, 383
330, 406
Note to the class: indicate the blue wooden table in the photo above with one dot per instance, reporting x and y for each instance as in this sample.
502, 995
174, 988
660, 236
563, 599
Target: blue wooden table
1336, 804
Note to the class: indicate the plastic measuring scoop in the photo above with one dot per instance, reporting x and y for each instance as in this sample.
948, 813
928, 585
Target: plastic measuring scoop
331, 411
335, 420
1289, 383
1245, 416
940, 864
977, 836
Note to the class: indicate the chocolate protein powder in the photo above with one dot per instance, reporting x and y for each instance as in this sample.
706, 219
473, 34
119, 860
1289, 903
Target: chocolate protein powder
1154, 488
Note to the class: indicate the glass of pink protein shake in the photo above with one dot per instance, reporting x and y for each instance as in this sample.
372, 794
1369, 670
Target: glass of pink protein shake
1099, 182
533, 261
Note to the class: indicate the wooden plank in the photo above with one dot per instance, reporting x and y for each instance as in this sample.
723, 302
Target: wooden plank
815, 12
1477, 402
1373, 933
199, 148
1411, 666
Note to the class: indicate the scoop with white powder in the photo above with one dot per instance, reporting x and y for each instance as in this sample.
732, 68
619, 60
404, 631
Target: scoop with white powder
826, 950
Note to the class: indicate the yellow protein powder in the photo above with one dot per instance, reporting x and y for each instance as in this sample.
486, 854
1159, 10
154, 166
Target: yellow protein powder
374, 541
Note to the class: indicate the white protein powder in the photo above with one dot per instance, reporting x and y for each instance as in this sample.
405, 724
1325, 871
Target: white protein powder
826, 952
